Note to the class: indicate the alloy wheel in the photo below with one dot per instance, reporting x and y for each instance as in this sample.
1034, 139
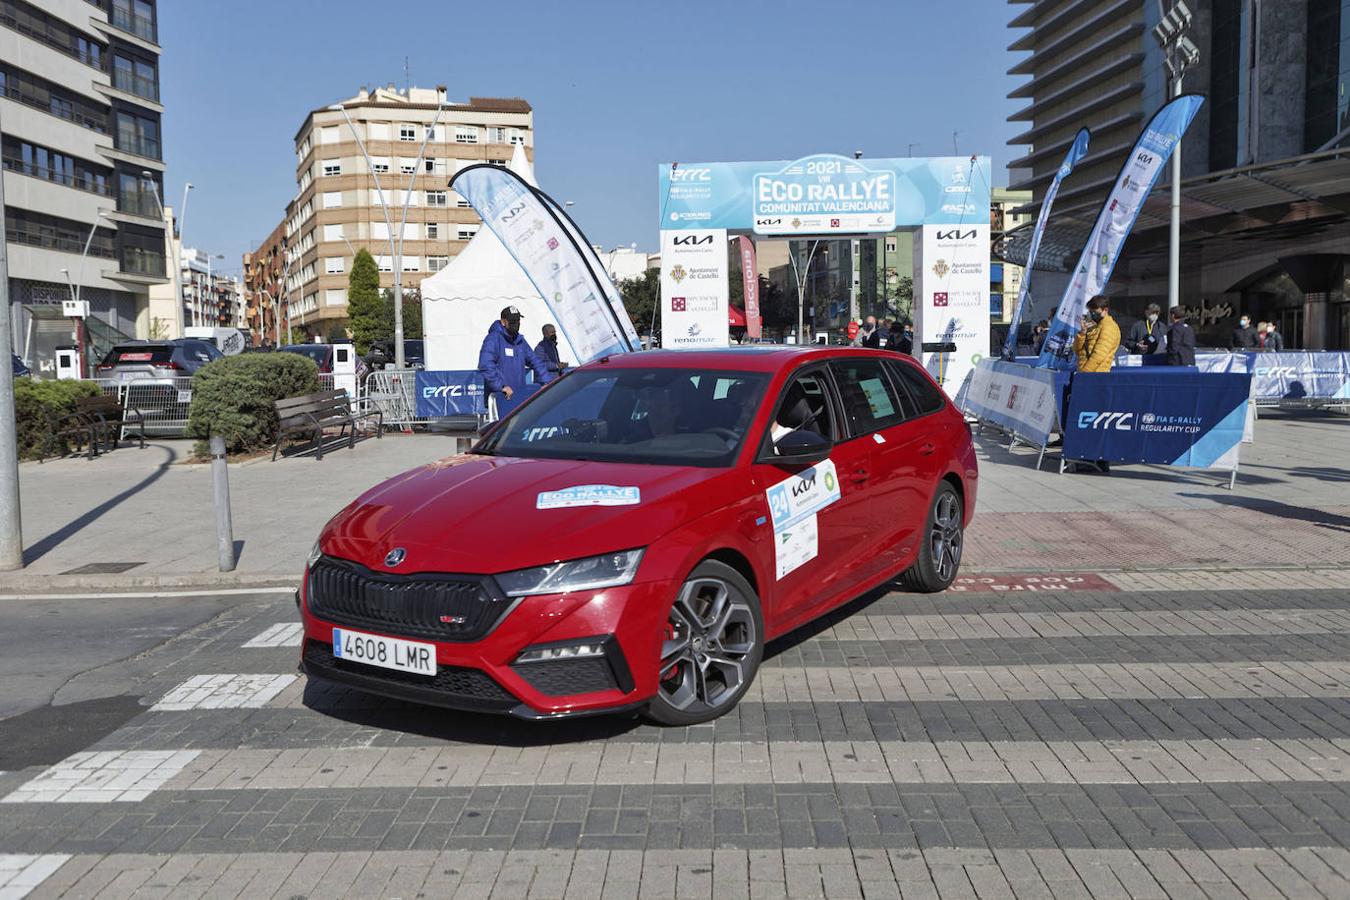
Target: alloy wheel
946, 538
708, 642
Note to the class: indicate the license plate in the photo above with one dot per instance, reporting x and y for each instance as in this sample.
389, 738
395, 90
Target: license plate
385, 652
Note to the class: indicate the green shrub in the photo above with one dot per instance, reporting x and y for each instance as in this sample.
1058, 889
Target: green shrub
37, 404
233, 397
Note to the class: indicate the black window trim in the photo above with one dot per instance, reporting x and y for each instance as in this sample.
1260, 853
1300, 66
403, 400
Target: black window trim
764, 455
901, 385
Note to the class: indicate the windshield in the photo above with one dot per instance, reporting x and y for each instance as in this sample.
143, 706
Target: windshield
656, 416
316, 352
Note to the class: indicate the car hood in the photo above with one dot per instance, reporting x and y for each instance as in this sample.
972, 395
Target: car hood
478, 514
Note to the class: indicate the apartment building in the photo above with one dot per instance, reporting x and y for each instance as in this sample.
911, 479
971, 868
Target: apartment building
264, 292
337, 208
1265, 164
83, 169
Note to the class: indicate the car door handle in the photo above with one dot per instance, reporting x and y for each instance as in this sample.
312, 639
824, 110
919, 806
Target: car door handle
859, 475
927, 449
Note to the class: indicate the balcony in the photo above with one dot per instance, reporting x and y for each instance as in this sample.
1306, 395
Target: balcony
80, 183
59, 42
140, 26
57, 106
46, 239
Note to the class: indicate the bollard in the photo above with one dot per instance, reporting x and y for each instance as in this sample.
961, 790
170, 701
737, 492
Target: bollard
220, 482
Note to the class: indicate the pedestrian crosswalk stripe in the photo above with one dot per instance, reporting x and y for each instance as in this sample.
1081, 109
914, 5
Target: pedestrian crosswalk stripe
224, 692
285, 634
103, 777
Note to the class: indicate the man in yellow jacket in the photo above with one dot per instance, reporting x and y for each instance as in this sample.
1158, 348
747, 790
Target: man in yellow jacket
1096, 344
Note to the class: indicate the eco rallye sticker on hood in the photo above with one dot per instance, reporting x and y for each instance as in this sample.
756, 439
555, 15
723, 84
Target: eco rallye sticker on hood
589, 495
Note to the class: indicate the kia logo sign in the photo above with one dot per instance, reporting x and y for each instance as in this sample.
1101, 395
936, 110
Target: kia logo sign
957, 235
691, 240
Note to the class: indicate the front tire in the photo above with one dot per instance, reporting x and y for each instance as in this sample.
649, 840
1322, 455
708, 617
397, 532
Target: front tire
943, 542
711, 647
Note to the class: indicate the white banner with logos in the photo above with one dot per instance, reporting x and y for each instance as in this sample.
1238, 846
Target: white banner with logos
694, 290
951, 292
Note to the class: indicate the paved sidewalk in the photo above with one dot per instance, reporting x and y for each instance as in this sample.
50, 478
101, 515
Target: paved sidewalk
151, 512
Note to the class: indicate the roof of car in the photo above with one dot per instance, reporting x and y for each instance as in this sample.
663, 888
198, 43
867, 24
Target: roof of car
749, 358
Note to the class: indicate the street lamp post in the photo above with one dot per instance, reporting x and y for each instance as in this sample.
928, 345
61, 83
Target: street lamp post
396, 250
799, 275
1179, 54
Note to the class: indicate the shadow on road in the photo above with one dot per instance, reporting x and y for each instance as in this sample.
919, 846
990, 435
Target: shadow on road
40, 548
1317, 517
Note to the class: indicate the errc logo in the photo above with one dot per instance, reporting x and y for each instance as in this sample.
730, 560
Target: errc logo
1278, 372
1106, 420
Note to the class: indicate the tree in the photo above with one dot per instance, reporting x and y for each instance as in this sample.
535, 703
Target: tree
299, 335
412, 314
776, 308
904, 297
640, 298
337, 331
365, 306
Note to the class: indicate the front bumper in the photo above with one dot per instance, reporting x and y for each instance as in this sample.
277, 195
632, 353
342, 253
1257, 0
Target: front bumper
483, 676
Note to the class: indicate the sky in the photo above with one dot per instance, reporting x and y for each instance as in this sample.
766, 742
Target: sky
617, 88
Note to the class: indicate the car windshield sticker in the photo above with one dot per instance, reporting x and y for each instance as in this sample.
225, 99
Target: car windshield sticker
793, 504
589, 495
796, 545
877, 398
878, 438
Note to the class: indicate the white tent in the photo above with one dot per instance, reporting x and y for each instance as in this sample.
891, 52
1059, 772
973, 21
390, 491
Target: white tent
461, 301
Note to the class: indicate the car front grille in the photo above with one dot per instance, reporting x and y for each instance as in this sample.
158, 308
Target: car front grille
451, 685
439, 607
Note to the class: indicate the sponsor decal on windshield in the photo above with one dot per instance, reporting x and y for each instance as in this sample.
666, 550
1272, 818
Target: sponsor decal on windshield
589, 495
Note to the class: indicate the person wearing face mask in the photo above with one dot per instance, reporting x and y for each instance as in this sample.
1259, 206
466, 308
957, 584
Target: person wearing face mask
1097, 342
547, 350
1146, 334
506, 355
868, 335
1244, 336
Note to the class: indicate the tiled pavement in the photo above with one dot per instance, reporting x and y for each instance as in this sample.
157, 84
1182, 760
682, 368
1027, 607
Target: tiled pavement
1135, 742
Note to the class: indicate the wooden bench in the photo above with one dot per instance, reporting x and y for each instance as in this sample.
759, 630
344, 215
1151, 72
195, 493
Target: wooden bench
96, 420
314, 413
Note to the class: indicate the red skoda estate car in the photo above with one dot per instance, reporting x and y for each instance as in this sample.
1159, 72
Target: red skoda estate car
631, 536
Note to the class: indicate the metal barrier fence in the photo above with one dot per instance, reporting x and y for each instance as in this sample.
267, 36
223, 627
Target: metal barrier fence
164, 402
394, 394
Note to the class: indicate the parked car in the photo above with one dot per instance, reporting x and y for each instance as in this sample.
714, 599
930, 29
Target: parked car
322, 354
634, 534
382, 355
156, 359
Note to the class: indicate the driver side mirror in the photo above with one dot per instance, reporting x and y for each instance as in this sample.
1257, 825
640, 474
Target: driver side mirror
801, 447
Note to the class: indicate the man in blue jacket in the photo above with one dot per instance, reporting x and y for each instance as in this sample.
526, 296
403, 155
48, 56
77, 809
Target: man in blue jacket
506, 354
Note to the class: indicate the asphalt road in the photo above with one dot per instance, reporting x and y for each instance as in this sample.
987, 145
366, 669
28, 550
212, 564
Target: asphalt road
1044, 742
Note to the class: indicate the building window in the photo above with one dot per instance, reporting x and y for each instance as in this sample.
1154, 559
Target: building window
436, 263
496, 135
335, 297
332, 167
407, 132
334, 265
377, 131
328, 134
138, 135
135, 195
517, 136
433, 231
434, 166
412, 263
332, 233
461, 203
466, 134
29, 89
332, 199
379, 165
136, 17
890, 246
135, 77
496, 162
437, 198
383, 264
40, 162
407, 166
466, 232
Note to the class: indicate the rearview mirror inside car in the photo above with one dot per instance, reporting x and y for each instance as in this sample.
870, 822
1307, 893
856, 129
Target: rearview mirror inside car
802, 446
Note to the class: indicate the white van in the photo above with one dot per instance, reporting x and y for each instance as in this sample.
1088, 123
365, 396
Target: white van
229, 341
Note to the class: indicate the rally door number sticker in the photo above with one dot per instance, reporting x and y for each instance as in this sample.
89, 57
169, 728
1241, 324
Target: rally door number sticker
793, 505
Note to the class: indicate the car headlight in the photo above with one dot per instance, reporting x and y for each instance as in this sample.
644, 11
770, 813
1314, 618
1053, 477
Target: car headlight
592, 573
314, 555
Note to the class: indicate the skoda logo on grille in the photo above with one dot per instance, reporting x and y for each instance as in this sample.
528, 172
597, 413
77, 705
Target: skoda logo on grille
395, 556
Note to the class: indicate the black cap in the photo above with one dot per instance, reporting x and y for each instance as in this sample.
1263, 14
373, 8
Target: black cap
510, 312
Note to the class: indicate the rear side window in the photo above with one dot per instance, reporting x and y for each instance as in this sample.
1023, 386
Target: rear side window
927, 396
871, 402
200, 351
